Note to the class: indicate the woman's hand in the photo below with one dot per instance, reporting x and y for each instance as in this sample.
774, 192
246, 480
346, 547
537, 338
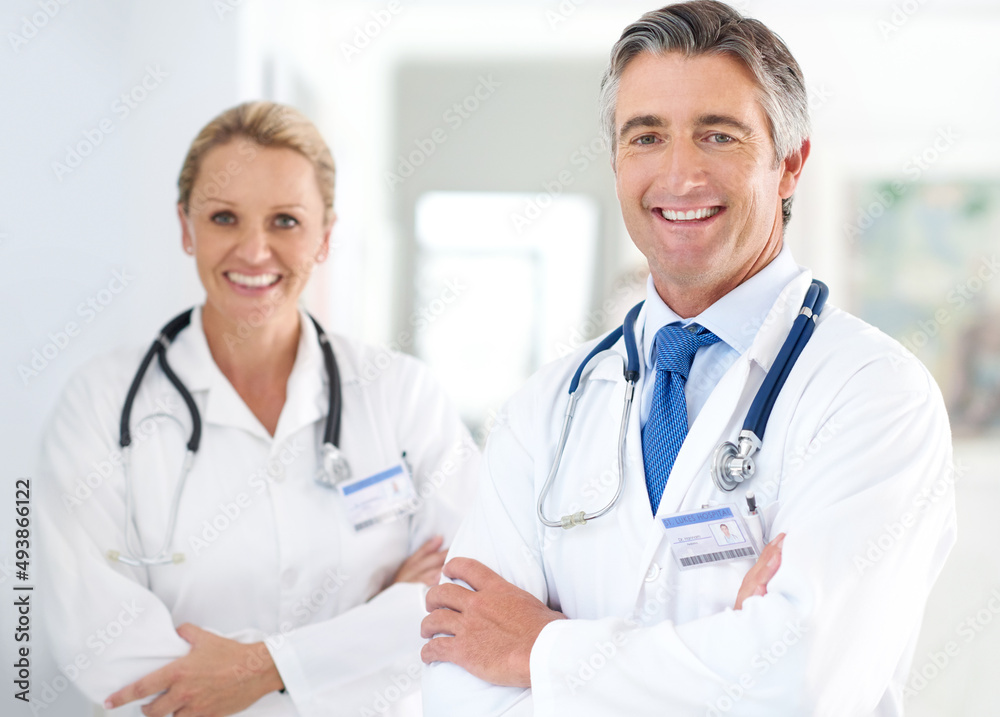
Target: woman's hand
424, 566
218, 677
756, 580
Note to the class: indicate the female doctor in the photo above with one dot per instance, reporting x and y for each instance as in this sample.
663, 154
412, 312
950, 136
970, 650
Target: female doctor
271, 595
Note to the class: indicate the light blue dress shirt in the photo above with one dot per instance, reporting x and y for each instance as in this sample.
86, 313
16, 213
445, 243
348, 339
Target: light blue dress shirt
735, 318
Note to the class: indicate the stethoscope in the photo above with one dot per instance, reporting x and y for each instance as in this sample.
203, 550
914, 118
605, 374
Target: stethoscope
335, 468
732, 464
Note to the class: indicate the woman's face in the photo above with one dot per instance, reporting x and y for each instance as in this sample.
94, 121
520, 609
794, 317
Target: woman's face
255, 226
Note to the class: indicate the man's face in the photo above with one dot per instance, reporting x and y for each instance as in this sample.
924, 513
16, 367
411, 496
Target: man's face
695, 175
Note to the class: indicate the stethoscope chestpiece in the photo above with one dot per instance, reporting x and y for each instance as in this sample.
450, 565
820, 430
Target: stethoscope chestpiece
336, 469
731, 465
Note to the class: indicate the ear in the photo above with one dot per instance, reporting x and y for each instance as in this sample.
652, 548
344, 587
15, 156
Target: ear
187, 240
791, 169
324, 247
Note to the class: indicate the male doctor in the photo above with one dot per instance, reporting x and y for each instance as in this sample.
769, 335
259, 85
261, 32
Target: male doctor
707, 122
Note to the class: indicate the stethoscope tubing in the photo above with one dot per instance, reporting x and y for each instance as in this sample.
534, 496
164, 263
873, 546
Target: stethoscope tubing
331, 434
753, 427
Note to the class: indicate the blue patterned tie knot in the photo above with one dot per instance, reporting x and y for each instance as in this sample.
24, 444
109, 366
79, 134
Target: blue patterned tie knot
667, 425
676, 346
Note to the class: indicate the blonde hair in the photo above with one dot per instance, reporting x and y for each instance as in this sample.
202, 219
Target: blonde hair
267, 124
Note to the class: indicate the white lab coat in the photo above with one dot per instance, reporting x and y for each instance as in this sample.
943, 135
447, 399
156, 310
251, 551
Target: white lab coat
855, 468
268, 552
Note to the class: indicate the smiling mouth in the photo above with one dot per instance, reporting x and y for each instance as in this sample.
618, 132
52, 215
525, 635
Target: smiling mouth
256, 281
691, 215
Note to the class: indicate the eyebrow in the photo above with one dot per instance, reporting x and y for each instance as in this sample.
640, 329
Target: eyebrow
725, 121
641, 121
233, 204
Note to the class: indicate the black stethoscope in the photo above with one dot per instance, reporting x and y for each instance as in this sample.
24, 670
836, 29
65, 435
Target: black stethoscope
731, 464
335, 468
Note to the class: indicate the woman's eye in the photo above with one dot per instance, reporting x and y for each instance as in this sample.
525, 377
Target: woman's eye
285, 221
223, 218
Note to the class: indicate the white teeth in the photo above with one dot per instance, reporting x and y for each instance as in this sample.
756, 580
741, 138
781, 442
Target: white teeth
690, 214
252, 281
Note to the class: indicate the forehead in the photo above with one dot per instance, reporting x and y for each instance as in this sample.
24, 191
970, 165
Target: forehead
241, 165
678, 88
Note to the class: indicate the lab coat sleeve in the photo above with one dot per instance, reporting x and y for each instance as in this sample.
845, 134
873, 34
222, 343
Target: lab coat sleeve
315, 661
499, 532
869, 515
105, 628
868, 508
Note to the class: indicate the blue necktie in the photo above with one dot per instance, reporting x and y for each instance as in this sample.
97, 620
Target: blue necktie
667, 424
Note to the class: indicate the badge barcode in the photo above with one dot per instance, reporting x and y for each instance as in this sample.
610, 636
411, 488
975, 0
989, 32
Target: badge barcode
712, 557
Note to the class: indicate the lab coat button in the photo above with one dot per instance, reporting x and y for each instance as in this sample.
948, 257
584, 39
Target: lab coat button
652, 573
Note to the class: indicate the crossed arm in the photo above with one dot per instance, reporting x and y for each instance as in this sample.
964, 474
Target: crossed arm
220, 676
490, 630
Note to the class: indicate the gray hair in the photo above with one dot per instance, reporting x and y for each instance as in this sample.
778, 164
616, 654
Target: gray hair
709, 27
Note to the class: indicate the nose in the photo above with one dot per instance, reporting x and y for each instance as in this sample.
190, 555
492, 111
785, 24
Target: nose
254, 246
682, 168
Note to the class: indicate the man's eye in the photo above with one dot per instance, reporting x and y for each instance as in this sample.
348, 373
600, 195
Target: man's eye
646, 139
285, 221
719, 138
223, 218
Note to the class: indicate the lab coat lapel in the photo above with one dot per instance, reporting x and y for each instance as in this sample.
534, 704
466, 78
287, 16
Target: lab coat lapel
633, 513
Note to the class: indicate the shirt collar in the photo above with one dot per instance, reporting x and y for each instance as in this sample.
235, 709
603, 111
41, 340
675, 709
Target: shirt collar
736, 317
306, 395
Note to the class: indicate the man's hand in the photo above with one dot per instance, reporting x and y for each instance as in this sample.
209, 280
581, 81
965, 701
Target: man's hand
217, 678
424, 566
488, 630
756, 580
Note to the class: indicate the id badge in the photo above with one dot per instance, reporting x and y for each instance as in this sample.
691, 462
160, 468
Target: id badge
380, 498
708, 536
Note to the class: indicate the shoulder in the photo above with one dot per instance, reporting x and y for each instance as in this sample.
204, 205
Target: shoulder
544, 394
372, 366
852, 346
103, 380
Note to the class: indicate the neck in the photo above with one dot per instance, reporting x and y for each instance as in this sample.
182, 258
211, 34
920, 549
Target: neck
253, 358
690, 299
